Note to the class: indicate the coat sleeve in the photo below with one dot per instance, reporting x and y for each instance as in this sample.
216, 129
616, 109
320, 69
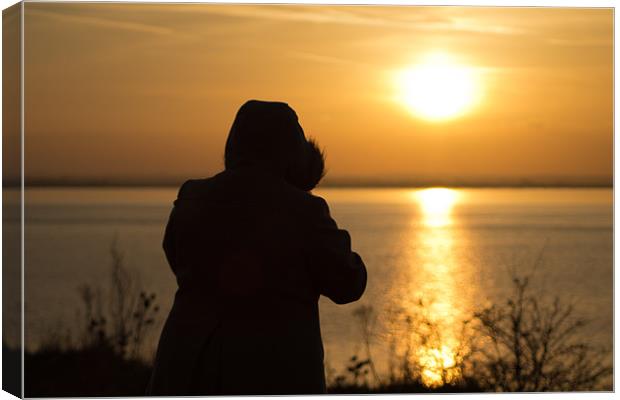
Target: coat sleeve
338, 272
169, 242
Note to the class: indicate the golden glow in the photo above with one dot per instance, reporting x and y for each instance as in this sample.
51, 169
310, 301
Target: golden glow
437, 353
440, 274
142, 76
437, 365
438, 88
436, 205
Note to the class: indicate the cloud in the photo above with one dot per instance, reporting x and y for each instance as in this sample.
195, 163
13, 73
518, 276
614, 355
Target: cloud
420, 19
581, 42
323, 59
440, 19
101, 22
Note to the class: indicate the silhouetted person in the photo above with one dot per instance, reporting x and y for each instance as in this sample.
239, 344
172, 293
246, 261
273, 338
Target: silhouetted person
252, 251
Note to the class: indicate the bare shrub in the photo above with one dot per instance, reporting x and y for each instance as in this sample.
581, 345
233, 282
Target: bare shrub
529, 345
367, 321
122, 322
422, 352
425, 350
526, 343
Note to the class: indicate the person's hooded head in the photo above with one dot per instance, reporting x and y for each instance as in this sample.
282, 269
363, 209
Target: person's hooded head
268, 135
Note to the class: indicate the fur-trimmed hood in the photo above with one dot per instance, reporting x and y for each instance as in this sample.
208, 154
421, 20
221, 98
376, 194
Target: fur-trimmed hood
268, 135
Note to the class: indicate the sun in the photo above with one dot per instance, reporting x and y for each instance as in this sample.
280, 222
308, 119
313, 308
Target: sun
438, 88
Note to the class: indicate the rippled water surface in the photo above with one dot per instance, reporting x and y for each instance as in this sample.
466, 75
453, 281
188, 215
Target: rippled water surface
451, 250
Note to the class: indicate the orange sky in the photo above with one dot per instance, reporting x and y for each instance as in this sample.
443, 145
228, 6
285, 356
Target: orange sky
147, 91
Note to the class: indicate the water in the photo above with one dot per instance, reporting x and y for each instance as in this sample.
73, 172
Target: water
452, 248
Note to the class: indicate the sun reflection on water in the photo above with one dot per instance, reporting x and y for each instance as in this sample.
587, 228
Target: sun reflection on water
438, 286
436, 205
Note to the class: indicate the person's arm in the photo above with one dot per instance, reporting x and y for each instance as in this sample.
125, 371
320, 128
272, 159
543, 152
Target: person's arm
338, 272
169, 244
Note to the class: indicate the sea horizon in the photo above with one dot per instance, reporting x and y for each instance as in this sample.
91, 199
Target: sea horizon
335, 183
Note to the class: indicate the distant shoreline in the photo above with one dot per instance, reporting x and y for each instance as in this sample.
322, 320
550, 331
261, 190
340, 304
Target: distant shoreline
334, 184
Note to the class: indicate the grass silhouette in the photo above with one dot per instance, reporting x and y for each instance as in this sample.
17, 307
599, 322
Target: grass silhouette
524, 343
106, 359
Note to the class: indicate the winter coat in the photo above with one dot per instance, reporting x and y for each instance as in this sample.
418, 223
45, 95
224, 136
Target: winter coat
252, 250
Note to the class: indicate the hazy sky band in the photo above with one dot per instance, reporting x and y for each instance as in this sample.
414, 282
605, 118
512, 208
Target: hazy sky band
148, 91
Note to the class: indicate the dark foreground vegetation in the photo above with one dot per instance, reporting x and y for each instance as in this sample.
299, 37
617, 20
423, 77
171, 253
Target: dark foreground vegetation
525, 343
